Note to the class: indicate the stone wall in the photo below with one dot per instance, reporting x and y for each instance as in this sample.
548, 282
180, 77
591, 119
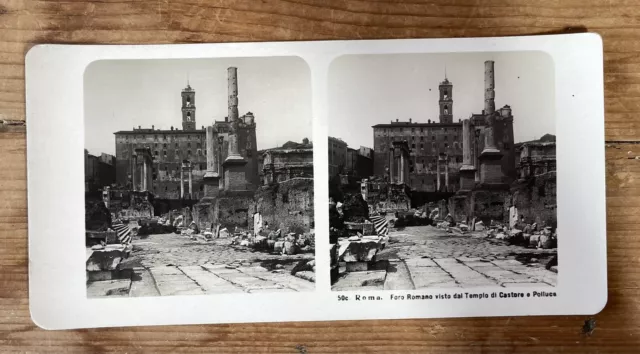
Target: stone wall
287, 205
488, 204
535, 199
233, 211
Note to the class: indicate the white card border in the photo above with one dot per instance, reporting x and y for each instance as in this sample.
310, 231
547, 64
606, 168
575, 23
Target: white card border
55, 145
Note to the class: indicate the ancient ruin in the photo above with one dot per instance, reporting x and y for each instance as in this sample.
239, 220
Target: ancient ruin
211, 187
454, 179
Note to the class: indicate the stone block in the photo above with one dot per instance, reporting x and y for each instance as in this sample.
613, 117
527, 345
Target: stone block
357, 266
278, 246
107, 259
547, 242
534, 240
360, 251
289, 248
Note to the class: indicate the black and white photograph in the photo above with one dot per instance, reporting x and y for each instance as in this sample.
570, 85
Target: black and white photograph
198, 177
442, 171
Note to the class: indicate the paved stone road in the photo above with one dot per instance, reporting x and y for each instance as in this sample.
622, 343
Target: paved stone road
170, 264
427, 257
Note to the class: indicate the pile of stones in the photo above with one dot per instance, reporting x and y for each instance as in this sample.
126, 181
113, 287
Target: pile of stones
276, 242
531, 235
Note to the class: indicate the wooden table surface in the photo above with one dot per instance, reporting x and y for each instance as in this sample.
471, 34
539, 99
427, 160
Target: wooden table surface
617, 328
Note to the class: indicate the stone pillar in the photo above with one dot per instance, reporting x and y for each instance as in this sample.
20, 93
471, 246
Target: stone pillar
489, 85
190, 171
446, 172
212, 150
402, 167
391, 165
181, 182
134, 171
144, 174
234, 165
438, 172
467, 170
490, 157
211, 177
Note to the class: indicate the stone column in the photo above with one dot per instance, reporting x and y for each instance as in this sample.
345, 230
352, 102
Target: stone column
391, 165
181, 182
437, 172
446, 172
467, 170
211, 177
402, 166
232, 88
489, 85
235, 178
134, 171
144, 174
212, 150
190, 171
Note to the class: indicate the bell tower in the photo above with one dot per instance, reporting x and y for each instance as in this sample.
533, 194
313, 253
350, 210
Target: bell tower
446, 101
188, 108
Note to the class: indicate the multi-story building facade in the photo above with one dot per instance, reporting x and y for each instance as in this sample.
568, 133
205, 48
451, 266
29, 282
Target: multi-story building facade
435, 148
337, 156
179, 155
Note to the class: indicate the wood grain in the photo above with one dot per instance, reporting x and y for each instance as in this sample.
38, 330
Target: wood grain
25, 23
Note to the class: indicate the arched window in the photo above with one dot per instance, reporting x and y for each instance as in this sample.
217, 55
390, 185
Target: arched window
446, 109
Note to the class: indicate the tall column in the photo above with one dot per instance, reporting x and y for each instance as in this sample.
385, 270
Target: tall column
190, 169
467, 170
438, 172
134, 171
402, 166
391, 165
181, 182
144, 174
211, 177
212, 150
489, 85
234, 166
232, 88
446, 172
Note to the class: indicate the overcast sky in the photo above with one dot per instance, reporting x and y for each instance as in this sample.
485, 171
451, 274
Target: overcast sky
373, 89
126, 93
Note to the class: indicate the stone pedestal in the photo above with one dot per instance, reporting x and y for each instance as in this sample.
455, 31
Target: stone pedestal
491, 167
467, 178
234, 174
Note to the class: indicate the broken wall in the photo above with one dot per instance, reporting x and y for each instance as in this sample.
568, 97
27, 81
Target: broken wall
535, 199
287, 205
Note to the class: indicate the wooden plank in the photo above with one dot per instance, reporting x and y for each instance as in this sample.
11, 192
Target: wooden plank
25, 23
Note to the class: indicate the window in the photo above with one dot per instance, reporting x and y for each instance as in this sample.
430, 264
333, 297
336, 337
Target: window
422, 138
155, 145
199, 146
164, 146
155, 152
506, 146
421, 146
433, 137
189, 153
176, 145
164, 153
421, 130
188, 145
446, 109
413, 146
413, 130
